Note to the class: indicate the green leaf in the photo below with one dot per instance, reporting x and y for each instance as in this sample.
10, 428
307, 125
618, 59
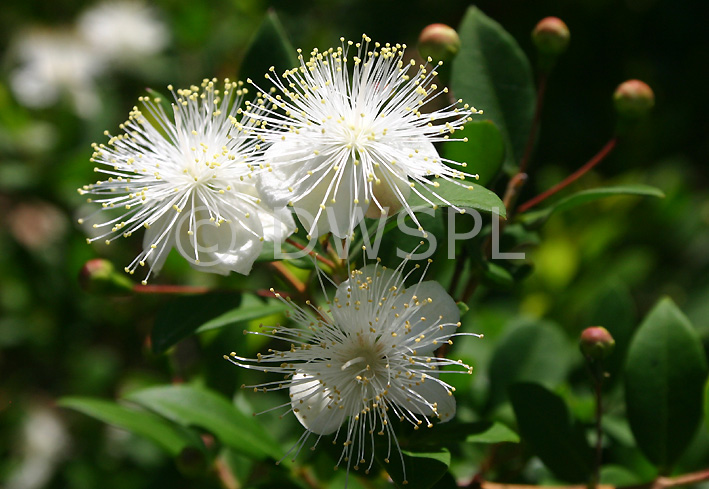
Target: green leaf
484, 152
664, 378
422, 469
540, 216
181, 317
173, 439
446, 434
495, 433
545, 423
191, 406
250, 308
492, 73
537, 352
465, 194
269, 47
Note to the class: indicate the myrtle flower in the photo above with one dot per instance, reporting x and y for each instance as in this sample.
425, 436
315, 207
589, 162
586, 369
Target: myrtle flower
122, 31
188, 181
54, 64
348, 146
369, 359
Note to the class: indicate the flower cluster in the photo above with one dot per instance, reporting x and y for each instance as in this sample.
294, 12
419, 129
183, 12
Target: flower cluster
343, 136
369, 358
334, 146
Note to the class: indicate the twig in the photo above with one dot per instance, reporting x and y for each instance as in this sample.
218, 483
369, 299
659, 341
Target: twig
170, 289
597, 158
288, 276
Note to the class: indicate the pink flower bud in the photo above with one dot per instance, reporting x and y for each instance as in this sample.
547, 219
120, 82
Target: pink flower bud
596, 342
439, 41
633, 99
551, 36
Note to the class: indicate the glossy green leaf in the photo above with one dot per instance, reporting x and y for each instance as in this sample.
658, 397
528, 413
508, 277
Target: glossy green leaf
664, 379
181, 317
484, 152
469, 195
538, 217
191, 406
537, 352
445, 434
250, 308
492, 73
545, 423
421, 470
269, 47
172, 438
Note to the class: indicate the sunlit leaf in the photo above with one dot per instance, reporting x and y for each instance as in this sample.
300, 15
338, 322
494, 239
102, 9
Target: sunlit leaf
191, 406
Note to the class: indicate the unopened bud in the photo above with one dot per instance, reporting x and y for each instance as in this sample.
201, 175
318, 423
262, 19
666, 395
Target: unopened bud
633, 99
596, 343
439, 41
551, 36
100, 276
191, 462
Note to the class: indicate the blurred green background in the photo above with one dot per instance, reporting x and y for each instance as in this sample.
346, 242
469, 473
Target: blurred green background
57, 340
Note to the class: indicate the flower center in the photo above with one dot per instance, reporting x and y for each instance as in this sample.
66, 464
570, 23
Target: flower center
365, 363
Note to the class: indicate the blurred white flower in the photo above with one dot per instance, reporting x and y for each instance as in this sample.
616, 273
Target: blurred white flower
348, 146
52, 64
44, 444
188, 181
123, 31
370, 359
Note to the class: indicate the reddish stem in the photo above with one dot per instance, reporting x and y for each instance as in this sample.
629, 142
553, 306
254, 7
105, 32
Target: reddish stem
317, 256
600, 156
170, 289
288, 276
527, 155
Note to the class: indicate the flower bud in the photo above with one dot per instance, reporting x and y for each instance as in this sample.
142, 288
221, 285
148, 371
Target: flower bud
596, 343
633, 99
551, 36
439, 41
100, 276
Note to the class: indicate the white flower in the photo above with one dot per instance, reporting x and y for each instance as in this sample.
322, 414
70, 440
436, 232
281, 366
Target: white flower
348, 146
53, 63
369, 360
188, 181
122, 31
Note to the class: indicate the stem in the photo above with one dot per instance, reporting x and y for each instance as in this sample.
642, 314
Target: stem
598, 380
170, 289
288, 276
597, 158
541, 90
317, 256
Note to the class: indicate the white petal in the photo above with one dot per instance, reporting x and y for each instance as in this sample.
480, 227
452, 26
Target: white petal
337, 192
372, 282
312, 406
428, 398
287, 178
441, 310
231, 246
